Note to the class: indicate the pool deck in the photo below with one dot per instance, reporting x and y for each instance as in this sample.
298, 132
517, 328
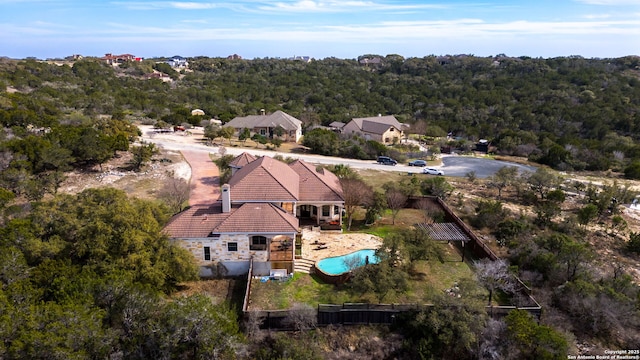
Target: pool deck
336, 243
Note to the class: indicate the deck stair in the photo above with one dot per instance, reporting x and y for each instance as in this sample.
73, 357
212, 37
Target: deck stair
303, 265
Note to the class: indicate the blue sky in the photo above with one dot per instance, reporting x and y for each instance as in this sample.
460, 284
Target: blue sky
319, 28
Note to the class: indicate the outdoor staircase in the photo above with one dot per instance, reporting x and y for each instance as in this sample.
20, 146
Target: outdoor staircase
303, 265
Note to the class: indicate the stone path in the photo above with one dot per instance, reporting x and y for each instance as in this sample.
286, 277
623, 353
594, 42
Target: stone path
336, 243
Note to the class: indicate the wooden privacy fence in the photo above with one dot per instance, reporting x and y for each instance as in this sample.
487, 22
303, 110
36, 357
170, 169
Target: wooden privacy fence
357, 313
351, 314
363, 314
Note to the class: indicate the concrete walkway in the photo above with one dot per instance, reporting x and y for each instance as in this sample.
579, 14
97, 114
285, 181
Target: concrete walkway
205, 178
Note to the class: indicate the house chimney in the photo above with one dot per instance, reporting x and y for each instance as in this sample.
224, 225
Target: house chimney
262, 112
226, 198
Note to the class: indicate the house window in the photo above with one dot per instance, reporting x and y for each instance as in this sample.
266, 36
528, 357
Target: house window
232, 246
258, 243
263, 132
207, 253
392, 129
325, 210
336, 209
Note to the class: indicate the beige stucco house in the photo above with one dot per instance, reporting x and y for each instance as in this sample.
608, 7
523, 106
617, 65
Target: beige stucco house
385, 129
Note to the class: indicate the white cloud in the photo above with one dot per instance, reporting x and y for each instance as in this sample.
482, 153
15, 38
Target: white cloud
180, 5
341, 6
191, 5
609, 2
382, 32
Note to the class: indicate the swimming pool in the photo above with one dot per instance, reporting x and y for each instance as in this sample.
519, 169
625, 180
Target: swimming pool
340, 264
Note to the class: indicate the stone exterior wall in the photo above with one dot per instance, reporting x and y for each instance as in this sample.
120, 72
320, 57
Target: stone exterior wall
219, 249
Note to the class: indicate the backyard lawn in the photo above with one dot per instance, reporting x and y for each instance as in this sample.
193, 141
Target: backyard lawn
429, 277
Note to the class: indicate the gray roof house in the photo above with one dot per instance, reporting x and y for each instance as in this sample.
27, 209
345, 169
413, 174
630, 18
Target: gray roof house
265, 124
385, 129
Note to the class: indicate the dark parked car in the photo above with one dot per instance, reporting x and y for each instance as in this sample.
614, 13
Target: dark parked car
420, 163
385, 160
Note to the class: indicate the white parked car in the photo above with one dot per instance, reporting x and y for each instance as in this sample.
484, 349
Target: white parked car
432, 171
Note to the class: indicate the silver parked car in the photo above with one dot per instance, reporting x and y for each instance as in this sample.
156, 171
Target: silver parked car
432, 171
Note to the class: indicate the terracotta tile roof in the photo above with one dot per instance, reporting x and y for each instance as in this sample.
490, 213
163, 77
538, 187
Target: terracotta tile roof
202, 221
259, 218
242, 160
265, 179
317, 185
195, 222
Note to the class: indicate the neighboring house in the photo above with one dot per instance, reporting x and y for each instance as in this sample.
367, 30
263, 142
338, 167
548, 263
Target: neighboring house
258, 216
265, 125
178, 62
158, 75
371, 61
119, 59
336, 126
385, 129
301, 58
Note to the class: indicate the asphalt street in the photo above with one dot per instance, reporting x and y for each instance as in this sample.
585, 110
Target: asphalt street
452, 165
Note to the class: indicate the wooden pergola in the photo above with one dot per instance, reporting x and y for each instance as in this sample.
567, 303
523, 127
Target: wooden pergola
445, 232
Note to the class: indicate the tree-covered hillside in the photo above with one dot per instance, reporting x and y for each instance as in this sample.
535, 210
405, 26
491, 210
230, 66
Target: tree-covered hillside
569, 112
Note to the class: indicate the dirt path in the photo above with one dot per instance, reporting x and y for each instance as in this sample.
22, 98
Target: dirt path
205, 184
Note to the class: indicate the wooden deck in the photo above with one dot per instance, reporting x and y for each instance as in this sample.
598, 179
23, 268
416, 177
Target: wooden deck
444, 232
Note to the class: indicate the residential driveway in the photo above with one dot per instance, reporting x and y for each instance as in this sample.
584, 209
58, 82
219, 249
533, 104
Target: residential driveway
204, 177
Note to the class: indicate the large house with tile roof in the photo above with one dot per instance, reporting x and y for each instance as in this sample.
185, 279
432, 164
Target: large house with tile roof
265, 125
385, 129
258, 216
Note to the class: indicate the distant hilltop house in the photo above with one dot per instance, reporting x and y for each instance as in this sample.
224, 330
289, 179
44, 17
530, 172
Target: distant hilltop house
385, 129
301, 58
257, 216
197, 112
74, 57
266, 124
370, 61
178, 62
119, 59
158, 75
234, 57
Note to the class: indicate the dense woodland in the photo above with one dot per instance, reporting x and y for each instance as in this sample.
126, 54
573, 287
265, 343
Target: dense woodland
570, 113
91, 276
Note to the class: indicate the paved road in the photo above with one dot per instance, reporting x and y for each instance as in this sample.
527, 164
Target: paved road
453, 165
461, 165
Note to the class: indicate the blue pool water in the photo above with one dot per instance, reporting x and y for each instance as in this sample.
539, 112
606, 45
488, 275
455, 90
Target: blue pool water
338, 264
